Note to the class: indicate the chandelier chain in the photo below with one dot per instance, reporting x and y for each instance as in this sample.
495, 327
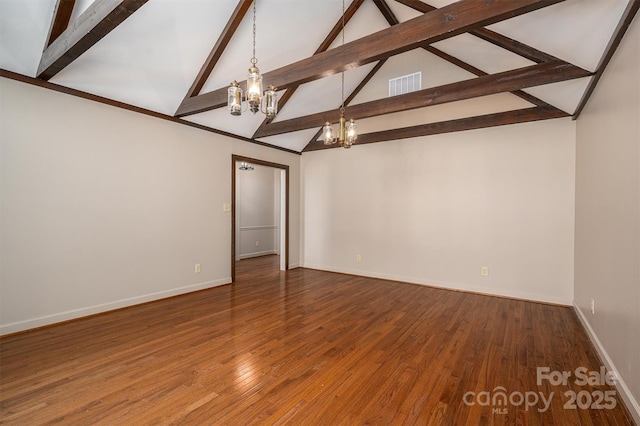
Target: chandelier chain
347, 131
342, 104
254, 60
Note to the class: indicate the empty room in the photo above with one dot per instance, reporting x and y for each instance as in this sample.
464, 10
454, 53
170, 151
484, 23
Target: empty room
319, 212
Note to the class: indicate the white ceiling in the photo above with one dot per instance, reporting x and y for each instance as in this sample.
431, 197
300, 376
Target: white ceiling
152, 58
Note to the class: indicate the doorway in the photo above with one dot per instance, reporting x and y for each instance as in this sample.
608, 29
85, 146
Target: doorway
281, 205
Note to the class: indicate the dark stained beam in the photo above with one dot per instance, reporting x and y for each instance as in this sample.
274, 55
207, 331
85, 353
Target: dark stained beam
493, 37
386, 11
388, 14
214, 56
526, 51
96, 22
507, 81
393, 20
61, 18
627, 17
476, 71
333, 34
337, 28
440, 24
450, 126
352, 96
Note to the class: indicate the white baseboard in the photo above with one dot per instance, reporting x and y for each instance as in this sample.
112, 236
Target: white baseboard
257, 254
621, 386
104, 307
449, 285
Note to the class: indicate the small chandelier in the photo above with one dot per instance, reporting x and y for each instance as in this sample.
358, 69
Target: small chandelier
347, 131
257, 100
246, 166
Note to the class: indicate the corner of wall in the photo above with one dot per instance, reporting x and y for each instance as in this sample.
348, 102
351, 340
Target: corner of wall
621, 386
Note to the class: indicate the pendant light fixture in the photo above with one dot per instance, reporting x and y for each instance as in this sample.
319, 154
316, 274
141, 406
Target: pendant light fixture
256, 100
246, 166
347, 130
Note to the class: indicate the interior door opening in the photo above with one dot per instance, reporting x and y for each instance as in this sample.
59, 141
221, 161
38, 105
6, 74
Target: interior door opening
260, 211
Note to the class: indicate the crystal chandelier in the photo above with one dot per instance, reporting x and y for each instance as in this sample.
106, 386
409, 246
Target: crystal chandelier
256, 100
347, 130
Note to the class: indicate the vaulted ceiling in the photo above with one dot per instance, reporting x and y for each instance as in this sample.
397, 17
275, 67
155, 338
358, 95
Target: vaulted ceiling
482, 63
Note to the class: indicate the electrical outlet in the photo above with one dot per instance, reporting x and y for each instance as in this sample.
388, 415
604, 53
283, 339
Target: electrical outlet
197, 268
484, 271
593, 307
358, 258
226, 207
257, 243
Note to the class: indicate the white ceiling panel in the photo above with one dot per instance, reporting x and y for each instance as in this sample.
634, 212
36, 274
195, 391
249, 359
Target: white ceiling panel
294, 140
576, 31
402, 12
435, 72
24, 27
324, 94
450, 111
482, 54
286, 31
564, 95
243, 125
367, 20
79, 7
151, 59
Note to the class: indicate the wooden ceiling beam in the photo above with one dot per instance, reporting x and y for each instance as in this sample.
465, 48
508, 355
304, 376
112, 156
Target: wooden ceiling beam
216, 52
353, 94
326, 43
393, 20
386, 11
476, 71
388, 14
507, 81
96, 22
337, 28
493, 37
61, 17
450, 126
440, 24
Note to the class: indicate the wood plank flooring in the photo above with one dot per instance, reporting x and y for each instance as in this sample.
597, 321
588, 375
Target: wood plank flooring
303, 347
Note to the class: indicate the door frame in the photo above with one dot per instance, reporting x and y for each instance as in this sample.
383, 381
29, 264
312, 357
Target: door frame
239, 158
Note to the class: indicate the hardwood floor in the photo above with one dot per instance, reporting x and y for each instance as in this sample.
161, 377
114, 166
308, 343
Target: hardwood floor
304, 347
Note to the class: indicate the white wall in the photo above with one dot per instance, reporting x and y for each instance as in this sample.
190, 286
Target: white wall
434, 210
607, 252
103, 207
258, 211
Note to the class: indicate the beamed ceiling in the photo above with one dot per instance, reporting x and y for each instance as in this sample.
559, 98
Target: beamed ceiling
483, 63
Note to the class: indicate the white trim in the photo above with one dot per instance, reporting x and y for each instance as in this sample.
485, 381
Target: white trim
104, 307
621, 386
257, 228
489, 291
257, 254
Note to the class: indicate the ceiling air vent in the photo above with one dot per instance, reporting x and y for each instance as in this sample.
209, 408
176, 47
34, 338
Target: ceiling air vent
405, 84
